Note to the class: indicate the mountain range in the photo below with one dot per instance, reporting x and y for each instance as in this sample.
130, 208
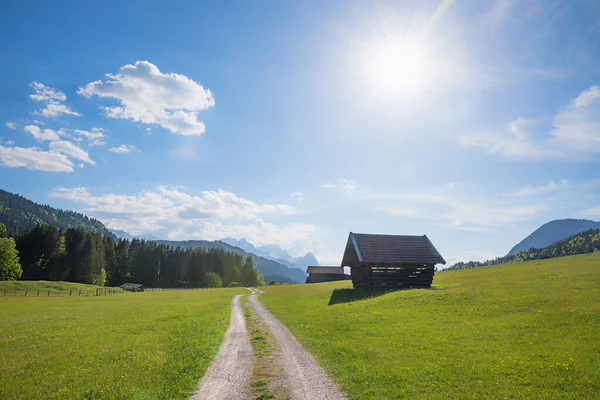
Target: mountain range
552, 232
274, 252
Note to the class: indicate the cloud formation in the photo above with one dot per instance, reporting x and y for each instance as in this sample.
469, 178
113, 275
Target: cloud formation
574, 133
149, 96
53, 99
11, 125
172, 213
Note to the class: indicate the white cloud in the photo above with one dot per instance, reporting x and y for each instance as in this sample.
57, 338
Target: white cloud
43, 134
53, 99
533, 190
147, 95
11, 125
95, 136
348, 185
72, 150
176, 214
298, 196
574, 134
35, 159
124, 148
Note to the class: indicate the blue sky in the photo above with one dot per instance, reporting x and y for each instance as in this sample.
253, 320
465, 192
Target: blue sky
473, 122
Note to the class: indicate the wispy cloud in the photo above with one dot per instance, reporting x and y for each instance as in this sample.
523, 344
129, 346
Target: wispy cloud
149, 96
348, 185
574, 134
531, 190
124, 148
53, 99
452, 211
298, 196
11, 125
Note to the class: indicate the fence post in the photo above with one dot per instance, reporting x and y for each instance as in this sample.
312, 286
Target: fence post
48, 292
79, 292
25, 291
58, 292
70, 292
38, 293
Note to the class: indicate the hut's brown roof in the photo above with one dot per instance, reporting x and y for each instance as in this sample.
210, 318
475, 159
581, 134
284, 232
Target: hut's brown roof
392, 249
325, 270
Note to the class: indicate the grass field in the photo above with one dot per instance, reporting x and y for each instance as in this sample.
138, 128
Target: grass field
527, 330
131, 346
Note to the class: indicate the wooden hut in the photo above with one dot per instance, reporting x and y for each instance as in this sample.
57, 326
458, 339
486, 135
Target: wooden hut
325, 274
132, 287
390, 261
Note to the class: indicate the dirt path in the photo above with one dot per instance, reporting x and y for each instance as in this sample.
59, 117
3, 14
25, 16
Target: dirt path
305, 378
228, 377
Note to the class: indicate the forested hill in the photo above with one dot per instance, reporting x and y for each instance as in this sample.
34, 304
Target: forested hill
268, 268
581, 243
20, 214
552, 232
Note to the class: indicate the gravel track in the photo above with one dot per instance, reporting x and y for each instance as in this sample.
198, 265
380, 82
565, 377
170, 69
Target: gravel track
305, 378
228, 377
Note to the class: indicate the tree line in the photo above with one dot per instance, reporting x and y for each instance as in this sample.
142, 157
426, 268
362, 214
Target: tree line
47, 252
581, 243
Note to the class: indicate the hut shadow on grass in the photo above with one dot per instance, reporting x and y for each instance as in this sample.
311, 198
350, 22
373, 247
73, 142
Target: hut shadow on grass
349, 295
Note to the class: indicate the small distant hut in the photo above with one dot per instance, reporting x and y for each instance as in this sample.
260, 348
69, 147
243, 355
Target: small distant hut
132, 287
325, 274
390, 261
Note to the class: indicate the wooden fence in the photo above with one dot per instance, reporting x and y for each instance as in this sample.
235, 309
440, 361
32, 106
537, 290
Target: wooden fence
59, 292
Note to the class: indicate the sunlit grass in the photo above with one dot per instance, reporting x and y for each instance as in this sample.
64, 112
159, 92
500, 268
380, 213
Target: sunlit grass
131, 346
527, 330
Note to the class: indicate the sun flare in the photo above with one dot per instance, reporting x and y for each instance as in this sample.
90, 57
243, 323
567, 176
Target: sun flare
397, 66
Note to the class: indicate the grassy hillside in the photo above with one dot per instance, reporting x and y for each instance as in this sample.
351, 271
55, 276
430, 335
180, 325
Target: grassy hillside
522, 330
132, 346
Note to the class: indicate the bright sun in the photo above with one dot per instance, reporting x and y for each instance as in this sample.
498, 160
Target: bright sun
397, 66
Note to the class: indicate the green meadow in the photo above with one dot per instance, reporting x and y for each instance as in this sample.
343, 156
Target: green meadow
523, 330
129, 346
18, 288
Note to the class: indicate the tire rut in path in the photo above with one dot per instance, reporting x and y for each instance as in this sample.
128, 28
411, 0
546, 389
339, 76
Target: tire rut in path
228, 377
305, 378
